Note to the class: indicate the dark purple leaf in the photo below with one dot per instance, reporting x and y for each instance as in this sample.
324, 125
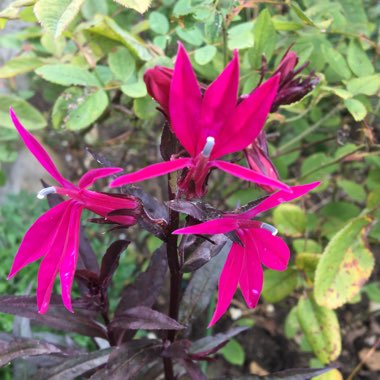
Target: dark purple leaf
192, 369
206, 345
169, 142
204, 253
290, 374
145, 290
21, 347
126, 361
197, 209
57, 317
202, 286
74, 367
142, 317
110, 261
177, 350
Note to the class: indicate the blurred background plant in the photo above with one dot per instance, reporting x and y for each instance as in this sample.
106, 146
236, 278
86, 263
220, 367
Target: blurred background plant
77, 77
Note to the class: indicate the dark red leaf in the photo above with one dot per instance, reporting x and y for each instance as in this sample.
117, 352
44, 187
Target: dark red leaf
192, 369
110, 261
177, 349
142, 317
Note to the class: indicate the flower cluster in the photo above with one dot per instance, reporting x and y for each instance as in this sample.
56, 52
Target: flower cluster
209, 122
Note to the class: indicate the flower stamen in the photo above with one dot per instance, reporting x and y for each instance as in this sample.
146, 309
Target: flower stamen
210, 142
270, 228
46, 191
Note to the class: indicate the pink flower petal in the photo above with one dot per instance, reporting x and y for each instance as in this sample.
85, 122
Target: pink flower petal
70, 256
248, 174
50, 264
245, 124
93, 175
185, 103
211, 227
152, 171
39, 152
219, 102
228, 281
272, 250
278, 198
251, 277
38, 238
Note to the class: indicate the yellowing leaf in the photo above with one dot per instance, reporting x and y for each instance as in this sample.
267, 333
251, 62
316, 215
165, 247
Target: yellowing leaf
55, 16
321, 328
19, 65
138, 5
345, 265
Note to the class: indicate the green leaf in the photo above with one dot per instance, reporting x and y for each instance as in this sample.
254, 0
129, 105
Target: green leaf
19, 65
301, 14
311, 170
336, 61
158, 22
358, 60
306, 245
265, 37
307, 262
345, 265
92, 7
356, 16
67, 75
289, 219
356, 109
55, 16
368, 85
145, 108
135, 90
292, 326
107, 27
138, 5
182, 8
352, 189
205, 54
192, 36
76, 109
373, 291
240, 36
278, 285
321, 328
233, 352
122, 64
28, 115
54, 46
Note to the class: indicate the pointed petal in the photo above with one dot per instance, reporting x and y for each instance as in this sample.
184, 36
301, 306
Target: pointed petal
272, 250
211, 227
280, 197
245, 124
248, 174
219, 101
185, 103
70, 256
152, 171
50, 264
38, 238
39, 152
228, 281
251, 278
93, 175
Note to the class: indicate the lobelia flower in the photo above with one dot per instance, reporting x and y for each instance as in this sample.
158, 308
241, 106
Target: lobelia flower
54, 236
208, 126
260, 246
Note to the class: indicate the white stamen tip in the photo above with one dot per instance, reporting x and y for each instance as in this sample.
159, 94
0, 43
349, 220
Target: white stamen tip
46, 191
269, 228
210, 142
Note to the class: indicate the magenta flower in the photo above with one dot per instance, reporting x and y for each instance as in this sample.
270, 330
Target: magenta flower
55, 235
261, 246
209, 126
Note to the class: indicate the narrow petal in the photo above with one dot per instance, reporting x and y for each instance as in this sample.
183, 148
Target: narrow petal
50, 264
219, 101
38, 238
272, 250
93, 175
70, 256
152, 171
280, 197
185, 103
39, 152
248, 175
245, 124
251, 278
211, 227
228, 281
